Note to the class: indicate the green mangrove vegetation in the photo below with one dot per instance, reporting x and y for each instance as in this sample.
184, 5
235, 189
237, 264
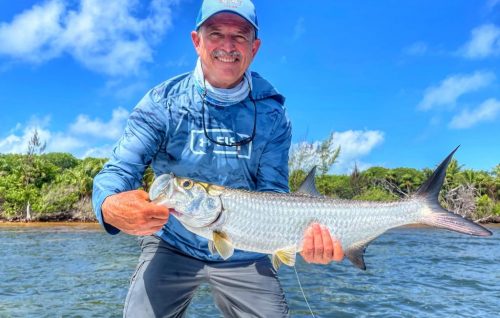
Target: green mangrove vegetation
57, 186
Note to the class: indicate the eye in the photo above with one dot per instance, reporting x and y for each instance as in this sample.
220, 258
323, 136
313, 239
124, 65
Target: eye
215, 35
240, 39
187, 184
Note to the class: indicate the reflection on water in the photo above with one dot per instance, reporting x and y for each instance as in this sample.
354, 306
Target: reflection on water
64, 271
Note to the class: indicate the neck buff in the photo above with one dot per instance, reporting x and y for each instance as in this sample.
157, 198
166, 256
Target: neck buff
221, 96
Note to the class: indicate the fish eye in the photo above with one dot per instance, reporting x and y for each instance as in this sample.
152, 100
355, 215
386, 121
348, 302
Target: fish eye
187, 184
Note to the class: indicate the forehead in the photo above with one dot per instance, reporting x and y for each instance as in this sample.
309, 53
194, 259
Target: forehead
226, 19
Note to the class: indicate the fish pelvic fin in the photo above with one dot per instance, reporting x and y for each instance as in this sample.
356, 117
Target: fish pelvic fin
285, 256
223, 244
436, 215
211, 247
356, 253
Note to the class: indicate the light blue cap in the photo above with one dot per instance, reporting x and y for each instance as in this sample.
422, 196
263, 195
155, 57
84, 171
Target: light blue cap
243, 8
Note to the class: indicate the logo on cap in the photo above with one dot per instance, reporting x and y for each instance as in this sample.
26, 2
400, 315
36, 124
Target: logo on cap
231, 3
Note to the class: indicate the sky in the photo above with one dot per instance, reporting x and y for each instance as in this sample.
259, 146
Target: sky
394, 83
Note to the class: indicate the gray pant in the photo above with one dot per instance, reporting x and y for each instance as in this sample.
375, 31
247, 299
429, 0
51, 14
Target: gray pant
165, 281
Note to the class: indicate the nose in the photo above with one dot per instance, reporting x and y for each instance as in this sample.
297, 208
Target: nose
228, 43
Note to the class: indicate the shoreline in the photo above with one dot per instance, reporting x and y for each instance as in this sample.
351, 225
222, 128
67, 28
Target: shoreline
40, 224
96, 225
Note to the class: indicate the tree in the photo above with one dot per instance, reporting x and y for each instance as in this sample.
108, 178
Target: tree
32, 169
357, 180
61, 160
35, 145
453, 176
304, 156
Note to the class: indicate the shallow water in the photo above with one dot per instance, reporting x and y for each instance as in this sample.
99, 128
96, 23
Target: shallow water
68, 271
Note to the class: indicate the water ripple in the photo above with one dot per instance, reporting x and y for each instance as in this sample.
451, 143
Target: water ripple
418, 272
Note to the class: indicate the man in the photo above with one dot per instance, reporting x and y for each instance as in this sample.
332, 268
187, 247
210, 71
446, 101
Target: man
220, 124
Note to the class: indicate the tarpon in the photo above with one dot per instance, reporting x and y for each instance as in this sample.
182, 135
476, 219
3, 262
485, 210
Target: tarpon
275, 223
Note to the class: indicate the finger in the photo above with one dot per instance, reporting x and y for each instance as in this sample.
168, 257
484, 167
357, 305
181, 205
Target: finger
338, 251
155, 228
142, 194
147, 230
154, 222
157, 211
318, 243
328, 251
307, 246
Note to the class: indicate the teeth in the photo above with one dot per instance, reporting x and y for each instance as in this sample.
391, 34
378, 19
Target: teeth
226, 60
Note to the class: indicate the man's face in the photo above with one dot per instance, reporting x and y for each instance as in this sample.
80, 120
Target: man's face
226, 45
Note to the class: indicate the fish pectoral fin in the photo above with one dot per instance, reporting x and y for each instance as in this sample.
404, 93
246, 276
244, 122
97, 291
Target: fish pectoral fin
223, 244
356, 253
285, 256
211, 247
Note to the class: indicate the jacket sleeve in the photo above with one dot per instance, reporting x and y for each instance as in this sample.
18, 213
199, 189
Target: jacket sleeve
144, 133
273, 167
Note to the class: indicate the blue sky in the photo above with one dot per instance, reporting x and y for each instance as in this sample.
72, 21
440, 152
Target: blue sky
396, 83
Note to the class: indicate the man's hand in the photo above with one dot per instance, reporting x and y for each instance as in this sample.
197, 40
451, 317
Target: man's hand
320, 247
133, 213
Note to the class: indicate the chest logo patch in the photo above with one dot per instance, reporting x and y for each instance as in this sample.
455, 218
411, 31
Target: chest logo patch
200, 145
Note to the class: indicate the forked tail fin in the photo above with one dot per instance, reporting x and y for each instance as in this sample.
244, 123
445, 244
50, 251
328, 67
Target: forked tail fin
440, 217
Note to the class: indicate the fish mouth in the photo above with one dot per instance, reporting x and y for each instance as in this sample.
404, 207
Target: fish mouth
176, 213
161, 188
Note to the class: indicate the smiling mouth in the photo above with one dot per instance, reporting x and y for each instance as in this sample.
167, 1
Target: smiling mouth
225, 57
226, 60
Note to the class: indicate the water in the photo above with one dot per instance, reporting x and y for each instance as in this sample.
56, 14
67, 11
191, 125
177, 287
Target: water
64, 271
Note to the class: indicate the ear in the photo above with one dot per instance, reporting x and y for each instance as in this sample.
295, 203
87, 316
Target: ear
196, 38
255, 47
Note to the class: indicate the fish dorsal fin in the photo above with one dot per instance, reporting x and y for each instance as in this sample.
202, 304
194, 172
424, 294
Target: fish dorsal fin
285, 256
356, 253
308, 186
223, 244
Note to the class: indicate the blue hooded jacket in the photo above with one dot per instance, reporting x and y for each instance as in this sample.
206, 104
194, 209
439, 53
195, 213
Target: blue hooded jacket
165, 130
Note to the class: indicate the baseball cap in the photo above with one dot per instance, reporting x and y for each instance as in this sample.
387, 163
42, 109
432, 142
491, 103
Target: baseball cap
243, 8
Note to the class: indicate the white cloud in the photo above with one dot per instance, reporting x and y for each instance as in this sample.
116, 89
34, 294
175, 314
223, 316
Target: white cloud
83, 138
452, 87
54, 141
484, 42
487, 111
105, 36
99, 152
10, 143
18, 143
417, 48
33, 34
97, 128
354, 145
61, 142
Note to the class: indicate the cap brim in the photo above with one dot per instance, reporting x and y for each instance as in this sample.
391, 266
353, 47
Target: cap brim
230, 11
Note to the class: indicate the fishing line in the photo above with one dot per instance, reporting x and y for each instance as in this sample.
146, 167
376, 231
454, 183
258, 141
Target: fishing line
302, 291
